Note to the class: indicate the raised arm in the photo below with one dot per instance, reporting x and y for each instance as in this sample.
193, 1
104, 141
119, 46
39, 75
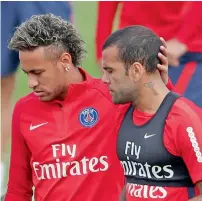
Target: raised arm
105, 18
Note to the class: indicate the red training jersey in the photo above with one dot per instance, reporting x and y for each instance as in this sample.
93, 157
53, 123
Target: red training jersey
182, 137
65, 149
181, 20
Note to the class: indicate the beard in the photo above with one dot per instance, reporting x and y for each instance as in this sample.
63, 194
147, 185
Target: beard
121, 98
126, 96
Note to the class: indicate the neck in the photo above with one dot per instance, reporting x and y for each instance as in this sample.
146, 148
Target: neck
151, 96
75, 76
72, 76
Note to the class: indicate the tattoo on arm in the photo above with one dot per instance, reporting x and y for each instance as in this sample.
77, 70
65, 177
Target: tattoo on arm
151, 86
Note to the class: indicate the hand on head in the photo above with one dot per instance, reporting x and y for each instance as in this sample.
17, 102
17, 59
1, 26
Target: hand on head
163, 66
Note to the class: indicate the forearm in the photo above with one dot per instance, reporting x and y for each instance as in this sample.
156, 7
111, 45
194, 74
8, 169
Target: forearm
105, 17
199, 197
123, 194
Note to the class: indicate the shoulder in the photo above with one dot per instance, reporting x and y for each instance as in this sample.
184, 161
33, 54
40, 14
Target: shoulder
183, 116
184, 113
24, 102
100, 87
26, 99
185, 110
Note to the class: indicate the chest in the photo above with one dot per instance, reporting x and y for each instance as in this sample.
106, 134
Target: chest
141, 143
70, 130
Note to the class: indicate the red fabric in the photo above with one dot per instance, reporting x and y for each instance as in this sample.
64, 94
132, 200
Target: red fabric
185, 77
168, 19
64, 160
183, 114
170, 85
190, 31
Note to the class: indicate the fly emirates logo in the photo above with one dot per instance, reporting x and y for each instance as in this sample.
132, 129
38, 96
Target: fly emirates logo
144, 171
63, 169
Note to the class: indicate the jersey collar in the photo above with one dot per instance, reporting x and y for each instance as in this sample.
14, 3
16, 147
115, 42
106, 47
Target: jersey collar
75, 87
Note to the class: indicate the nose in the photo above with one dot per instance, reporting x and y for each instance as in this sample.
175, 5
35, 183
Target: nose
32, 81
105, 78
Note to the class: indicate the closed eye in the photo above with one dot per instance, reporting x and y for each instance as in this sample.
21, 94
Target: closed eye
35, 72
108, 69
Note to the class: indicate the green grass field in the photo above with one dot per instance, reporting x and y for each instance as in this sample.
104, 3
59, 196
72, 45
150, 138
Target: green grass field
84, 19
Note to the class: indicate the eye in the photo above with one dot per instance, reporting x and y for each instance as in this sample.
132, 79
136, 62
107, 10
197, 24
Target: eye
109, 70
37, 72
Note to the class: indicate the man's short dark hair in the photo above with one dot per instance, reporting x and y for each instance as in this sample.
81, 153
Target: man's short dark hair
53, 33
136, 44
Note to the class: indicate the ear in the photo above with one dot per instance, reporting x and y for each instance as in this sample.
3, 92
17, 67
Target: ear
136, 71
66, 60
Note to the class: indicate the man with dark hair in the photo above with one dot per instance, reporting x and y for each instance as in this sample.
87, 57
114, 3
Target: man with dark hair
179, 23
159, 132
63, 134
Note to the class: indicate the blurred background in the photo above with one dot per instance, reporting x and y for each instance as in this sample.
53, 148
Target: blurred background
180, 23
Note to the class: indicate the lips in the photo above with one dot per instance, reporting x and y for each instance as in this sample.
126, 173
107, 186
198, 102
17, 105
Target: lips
111, 92
38, 93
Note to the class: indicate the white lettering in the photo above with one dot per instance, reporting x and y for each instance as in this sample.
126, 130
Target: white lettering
61, 169
35, 169
127, 147
155, 170
145, 191
75, 170
58, 168
137, 151
167, 170
64, 169
84, 165
46, 169
71, 150
137, 192
134, 149
142, 172
163, 191
103, 161
147, 166
92, 163
64, 149
132, 168
55, 149
152, 190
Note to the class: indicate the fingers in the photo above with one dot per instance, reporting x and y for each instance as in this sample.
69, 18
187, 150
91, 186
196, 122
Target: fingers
163, 41
163, 59
164, 51
161, 68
